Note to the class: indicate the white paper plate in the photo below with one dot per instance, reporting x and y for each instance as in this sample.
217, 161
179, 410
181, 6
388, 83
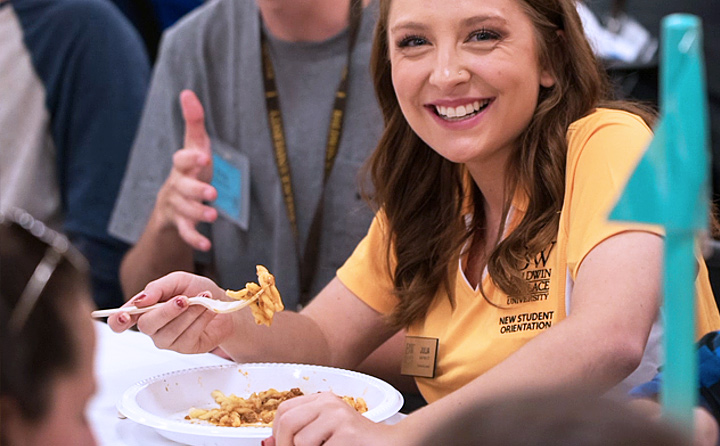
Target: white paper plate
163, 401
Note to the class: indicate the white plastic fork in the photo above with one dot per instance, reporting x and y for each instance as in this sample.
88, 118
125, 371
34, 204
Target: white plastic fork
218, 306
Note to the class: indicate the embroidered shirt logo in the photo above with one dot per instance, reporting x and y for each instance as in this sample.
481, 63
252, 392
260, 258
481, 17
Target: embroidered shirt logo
537, 275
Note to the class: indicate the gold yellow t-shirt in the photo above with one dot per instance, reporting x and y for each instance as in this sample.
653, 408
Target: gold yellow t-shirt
474, 336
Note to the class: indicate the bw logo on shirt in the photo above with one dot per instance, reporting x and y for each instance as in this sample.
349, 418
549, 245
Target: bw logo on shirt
536, 272
537, 275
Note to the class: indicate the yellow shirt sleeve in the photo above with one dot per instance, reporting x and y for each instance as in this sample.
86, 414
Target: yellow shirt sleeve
603, 151
367, 271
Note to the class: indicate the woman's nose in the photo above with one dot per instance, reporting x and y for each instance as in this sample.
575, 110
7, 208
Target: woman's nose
449, 71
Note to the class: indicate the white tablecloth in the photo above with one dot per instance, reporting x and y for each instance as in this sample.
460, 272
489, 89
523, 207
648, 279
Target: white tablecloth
121, 360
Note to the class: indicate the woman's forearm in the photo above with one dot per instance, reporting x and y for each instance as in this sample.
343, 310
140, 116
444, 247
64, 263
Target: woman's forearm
566, 357
292, 337
337, 329
159, 251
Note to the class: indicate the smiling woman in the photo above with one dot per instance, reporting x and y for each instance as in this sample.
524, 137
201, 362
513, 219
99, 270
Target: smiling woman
468, 82
502, 153
48, 340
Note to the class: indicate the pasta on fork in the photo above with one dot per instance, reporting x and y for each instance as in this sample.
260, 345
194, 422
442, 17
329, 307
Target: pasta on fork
267, 303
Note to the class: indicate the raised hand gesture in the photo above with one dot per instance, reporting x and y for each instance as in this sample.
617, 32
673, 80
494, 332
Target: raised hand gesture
181, 199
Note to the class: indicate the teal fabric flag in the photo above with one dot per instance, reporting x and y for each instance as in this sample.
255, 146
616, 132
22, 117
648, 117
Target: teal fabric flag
670, 187
670, 184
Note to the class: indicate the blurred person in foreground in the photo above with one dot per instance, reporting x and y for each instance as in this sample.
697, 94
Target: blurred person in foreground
48, 339
556, 419
501, 157
73, 78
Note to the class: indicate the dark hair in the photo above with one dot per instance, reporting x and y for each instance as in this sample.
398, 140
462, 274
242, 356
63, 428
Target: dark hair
43, 345
421, 193
564, 419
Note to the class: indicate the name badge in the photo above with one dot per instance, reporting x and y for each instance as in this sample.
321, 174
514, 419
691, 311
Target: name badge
420, 357
231, 179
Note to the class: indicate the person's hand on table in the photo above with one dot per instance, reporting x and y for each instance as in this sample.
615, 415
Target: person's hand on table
325, 419
177, 325
180, 200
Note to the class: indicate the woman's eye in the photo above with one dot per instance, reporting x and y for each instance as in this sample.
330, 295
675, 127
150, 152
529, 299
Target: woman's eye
483, 35
411, 41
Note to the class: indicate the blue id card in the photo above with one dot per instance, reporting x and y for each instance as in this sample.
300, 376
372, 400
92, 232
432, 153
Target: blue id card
231, 179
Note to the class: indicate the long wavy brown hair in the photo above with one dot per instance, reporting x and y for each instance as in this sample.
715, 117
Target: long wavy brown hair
422, 194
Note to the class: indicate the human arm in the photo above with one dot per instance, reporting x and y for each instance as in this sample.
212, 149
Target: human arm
595, 347
385, 363
95, 73
335, 329
158, 251
96, 140
616, 273
168, 241
160, 135
599, 343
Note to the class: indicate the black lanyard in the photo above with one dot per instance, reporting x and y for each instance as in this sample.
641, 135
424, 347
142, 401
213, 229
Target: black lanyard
307, 262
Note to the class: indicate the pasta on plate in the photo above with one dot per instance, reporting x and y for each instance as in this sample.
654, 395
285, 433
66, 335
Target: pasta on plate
256, 410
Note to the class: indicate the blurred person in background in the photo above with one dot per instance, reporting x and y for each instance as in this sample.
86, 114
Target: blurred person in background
222, 126
73, 79
205, 136
46, 360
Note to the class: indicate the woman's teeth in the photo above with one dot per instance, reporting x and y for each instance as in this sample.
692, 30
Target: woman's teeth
462, 111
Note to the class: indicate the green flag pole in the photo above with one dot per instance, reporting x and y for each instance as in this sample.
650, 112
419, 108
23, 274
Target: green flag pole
670, 188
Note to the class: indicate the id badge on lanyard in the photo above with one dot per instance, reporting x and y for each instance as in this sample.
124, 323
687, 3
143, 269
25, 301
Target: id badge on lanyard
231, 179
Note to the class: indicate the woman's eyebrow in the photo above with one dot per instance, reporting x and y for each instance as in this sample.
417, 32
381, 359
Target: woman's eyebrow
475, 20
468, 22
408, 26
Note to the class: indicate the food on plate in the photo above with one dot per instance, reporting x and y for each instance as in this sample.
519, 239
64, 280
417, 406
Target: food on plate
256, 410
268, 303
358, 404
